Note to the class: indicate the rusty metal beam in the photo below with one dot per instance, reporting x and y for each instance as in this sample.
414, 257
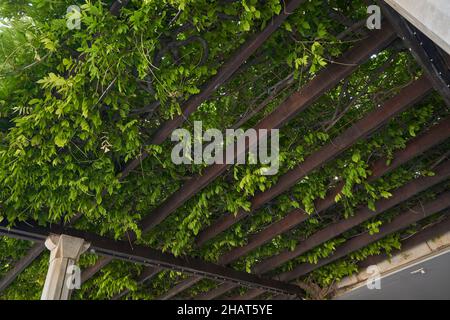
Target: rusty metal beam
361, 129
145, 275
402, 221
216, 292
222, 76
420, 237
296, 103
434, 136
117, 5
324, 81
122, 250
92, 270
442, 172
21, 265
299, 101
183, 285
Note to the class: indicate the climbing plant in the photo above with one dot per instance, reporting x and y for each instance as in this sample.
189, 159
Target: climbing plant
78, 104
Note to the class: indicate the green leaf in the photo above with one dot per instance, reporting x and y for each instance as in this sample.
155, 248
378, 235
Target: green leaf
287, 26
386, 194
356, 157
60, 141
245, 26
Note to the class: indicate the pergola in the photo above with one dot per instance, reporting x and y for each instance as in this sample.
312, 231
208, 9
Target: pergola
265, 276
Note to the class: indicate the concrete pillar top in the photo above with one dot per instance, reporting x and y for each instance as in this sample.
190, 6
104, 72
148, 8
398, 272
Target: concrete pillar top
65, 246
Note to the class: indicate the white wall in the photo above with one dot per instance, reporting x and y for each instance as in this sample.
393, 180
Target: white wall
432, 17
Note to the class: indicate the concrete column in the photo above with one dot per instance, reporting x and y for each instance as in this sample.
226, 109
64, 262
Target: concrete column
432, 17
65, 252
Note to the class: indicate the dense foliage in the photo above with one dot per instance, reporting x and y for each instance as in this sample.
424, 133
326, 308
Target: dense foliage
76, 105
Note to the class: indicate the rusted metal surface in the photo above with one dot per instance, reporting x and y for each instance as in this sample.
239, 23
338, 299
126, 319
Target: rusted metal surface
434, 136
296, 103
202, 183
249, 295
147, 273
407, 97
281, 297
224, 73
420, 237
361, 215
122, 250
402, 221
324, 81
21, 265
92, 270
216, 292
183, 285
294, 218
299, 101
